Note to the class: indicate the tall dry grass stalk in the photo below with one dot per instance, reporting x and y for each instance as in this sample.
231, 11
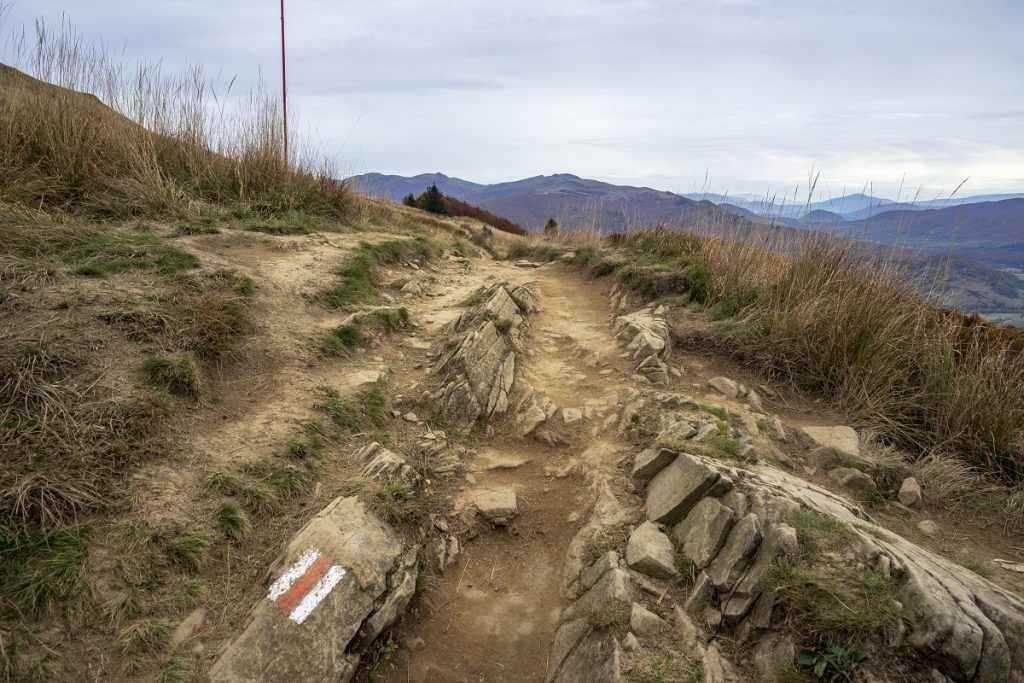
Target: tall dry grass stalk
848, 321
83, 131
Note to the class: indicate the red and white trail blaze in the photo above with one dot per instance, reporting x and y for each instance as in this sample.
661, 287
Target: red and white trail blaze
305, 584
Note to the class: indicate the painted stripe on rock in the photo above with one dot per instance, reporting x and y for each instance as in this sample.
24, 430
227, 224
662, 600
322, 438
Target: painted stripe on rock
316, 595
284, 583
304, 583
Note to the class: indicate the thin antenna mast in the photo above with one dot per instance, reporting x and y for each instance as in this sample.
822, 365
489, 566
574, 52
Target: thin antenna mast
284, 88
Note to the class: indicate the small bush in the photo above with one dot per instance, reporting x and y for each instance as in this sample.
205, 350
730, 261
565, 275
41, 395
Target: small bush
178, 375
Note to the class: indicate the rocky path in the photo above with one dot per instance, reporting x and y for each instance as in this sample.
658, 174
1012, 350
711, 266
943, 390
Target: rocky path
575, 482
494, 613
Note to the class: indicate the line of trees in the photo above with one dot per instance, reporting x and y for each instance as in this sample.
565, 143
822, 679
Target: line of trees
434, 201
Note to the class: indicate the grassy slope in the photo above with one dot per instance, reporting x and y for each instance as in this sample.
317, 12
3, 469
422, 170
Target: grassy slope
853, 331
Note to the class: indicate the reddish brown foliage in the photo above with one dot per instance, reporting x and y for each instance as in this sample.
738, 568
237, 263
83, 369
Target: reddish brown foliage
455, 207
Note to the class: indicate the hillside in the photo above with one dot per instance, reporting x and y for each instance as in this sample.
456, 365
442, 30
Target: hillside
991, 232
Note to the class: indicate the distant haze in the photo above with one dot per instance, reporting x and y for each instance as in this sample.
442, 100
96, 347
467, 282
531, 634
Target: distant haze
717, 95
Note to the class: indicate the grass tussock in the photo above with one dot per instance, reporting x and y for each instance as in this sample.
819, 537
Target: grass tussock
818, 533
610, 616
847, 322
177, 375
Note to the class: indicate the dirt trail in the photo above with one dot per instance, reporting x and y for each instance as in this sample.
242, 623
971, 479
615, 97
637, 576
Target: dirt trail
494, 613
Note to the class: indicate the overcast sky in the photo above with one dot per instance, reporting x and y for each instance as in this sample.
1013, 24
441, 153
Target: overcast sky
750, 94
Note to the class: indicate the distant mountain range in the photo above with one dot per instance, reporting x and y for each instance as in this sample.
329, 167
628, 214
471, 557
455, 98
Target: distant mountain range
573, 201
851, 207
984, 234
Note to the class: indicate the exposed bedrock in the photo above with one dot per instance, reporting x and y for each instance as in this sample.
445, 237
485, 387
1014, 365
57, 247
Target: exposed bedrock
478, 372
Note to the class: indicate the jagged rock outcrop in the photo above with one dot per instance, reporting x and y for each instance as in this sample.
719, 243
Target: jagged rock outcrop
647, 338
385, 466
479, 372
968, 628
344, 578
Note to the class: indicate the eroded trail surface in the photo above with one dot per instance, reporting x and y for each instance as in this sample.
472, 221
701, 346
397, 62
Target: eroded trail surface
600, 502
494, 612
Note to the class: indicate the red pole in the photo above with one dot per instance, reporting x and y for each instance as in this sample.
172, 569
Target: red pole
284, 88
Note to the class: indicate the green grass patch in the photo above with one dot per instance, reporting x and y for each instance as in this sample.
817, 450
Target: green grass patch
144, 638
718, 411
503, 325
818, 533
178, 375
609, 616
104, 254
44, 571
188, 594
982, 569
395, 503
832, 606
650, 666
367, 409
357, 278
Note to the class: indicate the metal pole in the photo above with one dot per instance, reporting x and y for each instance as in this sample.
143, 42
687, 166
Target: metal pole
284, 88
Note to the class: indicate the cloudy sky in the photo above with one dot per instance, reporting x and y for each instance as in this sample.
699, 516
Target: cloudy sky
737, 95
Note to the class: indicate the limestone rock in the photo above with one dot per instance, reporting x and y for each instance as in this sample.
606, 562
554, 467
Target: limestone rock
384, 465
571, 415
779, 541
910, 492
495, 503
646, 623
928, 528
701, 534
648, 463
717, 668
827, 457
733, 559
725, 386
678, 487
690, 637
615, 587
604, 564
843, 439
650, 551
773, 651
597, 657
852, 479
306, 636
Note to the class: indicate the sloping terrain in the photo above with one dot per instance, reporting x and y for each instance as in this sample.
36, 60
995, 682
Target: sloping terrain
476, 488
